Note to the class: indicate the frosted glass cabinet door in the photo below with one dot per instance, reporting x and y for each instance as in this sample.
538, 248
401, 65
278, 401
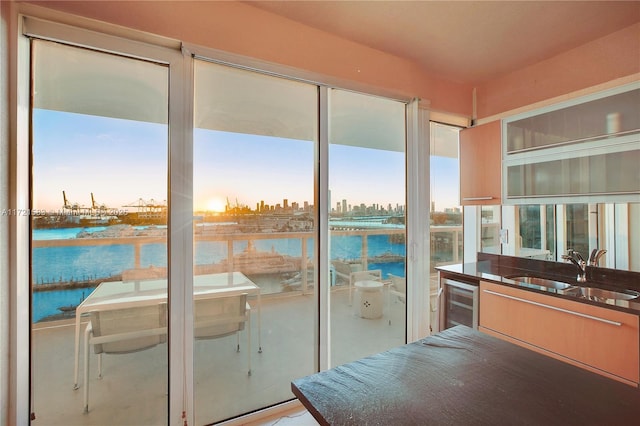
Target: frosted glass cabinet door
614, 173
584, 150
604, 117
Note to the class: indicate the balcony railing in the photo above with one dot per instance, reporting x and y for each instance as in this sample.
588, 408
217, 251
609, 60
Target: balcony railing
446, 247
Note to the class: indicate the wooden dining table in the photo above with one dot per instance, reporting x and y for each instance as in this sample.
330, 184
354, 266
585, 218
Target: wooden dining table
464, 377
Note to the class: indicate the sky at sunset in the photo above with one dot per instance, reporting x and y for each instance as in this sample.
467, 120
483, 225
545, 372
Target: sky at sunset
121, 161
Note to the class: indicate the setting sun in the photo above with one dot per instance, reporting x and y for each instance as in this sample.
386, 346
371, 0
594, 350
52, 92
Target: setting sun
216, 205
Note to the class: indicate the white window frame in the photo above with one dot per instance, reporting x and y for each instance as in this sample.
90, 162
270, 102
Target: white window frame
179, 58
180, 236
417, 221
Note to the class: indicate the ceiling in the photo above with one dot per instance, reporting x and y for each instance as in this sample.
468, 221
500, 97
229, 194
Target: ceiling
464, 41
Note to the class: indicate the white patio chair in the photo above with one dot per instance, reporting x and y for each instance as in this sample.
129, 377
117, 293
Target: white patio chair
398, 288
342, 271
122, 331
372, 275
217, 317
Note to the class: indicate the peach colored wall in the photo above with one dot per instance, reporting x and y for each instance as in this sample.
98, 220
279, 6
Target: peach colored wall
611, 57
242, 29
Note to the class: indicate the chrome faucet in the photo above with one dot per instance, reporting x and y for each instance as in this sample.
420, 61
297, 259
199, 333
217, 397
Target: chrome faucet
577, 259
595, 257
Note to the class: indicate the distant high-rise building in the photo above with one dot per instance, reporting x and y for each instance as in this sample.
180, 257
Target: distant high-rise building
344, 206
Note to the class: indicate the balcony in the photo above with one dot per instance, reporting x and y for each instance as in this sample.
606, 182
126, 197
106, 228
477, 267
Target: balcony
134, 387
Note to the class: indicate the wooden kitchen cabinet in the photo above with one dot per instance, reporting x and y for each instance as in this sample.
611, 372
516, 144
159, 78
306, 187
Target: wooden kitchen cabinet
481, 165
598, 339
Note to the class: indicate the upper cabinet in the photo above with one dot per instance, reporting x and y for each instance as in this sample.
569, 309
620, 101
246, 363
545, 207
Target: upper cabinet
586, 150
480, 164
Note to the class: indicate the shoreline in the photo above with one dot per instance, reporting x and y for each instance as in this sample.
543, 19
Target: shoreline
67, 285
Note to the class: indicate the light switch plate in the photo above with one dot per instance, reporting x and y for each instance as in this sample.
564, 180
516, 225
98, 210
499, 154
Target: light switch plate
504, 236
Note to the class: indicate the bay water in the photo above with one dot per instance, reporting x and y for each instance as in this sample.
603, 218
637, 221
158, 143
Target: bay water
83, 263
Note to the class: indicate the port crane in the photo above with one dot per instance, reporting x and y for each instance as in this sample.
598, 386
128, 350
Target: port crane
149, 209
75, 207
237, 208
98, 209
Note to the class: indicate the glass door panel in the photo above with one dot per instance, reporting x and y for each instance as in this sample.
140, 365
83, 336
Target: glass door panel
255, 289
490, 217
98, 237
445, 217
367, 225
446, 214
577, 228
536, 239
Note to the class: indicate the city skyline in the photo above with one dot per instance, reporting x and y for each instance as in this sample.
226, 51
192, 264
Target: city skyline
287, 205
123, 161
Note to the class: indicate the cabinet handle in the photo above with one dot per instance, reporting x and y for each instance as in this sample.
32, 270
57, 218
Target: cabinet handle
571, 142
477, 198
570, 194
616, 323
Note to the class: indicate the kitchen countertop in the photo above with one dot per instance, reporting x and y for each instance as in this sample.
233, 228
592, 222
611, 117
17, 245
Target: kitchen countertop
497, 268
461, 376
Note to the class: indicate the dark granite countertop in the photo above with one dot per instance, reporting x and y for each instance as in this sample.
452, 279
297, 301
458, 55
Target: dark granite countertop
463, 377
498, 269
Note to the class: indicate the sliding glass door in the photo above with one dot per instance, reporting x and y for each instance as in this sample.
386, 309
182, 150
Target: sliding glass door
174, 242
445, 215
98, 237
255, 288
367, 252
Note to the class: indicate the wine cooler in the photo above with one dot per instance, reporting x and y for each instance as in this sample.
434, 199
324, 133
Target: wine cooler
459, 304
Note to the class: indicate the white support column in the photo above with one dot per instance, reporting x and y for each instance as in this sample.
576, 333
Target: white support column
180, 244
322, 200
417, 229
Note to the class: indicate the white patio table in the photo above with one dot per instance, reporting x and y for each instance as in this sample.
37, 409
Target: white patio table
118, 294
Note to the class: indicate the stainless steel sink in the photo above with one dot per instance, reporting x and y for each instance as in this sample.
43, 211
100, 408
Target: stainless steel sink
541, 283
605, 296
619, 298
